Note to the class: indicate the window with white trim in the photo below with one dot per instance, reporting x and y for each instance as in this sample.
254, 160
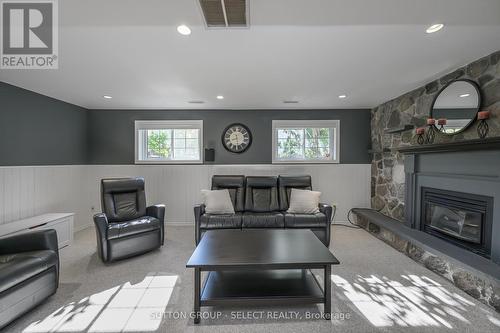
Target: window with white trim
306, 141
169, 141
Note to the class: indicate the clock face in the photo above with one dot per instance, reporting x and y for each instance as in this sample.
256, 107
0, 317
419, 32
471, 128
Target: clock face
236, 138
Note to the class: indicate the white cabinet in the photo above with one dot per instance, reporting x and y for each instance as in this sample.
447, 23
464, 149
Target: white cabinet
61, 222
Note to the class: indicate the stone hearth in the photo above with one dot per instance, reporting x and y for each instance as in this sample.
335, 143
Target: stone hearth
481, 282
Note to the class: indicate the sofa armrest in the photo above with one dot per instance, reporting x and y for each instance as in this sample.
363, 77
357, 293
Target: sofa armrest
30, 241
158, 211
327, 210
101, 228
199, 210
101, 224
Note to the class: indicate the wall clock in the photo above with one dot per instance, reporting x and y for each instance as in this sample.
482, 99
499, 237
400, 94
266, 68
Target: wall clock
236, 138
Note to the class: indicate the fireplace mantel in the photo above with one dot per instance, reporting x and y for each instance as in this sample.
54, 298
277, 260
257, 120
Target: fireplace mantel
476, 144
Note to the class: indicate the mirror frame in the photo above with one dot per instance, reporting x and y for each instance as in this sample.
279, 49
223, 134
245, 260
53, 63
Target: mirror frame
476, 86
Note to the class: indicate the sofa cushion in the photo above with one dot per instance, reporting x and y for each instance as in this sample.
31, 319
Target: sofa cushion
217, 201
231, 221
261, 194
236, 187
304, 202
263, 220
133, 227
287, 183
18, 267
317, 220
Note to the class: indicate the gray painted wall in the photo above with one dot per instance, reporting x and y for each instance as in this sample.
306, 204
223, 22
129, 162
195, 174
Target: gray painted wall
111, 132
38, 130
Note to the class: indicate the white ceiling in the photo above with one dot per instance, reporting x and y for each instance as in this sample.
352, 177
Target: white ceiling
306, 50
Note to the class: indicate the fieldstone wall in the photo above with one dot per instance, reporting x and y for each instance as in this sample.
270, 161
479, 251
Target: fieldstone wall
414, 108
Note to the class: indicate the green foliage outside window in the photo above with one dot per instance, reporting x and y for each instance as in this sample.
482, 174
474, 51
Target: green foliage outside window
159, 144
317, 143
303, 143
290, 143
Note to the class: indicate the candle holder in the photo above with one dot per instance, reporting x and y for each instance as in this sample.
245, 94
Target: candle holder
482, 127
441, 123
420, 135
431, 132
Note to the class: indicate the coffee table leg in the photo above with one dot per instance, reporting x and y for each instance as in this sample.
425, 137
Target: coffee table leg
328, 292
197, 296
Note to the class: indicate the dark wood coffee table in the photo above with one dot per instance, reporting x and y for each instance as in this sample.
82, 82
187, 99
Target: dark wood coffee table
261, 267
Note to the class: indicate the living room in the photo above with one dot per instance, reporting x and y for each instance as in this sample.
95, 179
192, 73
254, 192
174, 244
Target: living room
249, 165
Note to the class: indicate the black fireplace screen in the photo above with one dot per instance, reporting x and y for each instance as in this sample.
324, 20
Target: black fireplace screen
460, 218
455, 222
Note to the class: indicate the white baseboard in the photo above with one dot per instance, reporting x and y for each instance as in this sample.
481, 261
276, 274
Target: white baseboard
82, 227
179, 224
341, 222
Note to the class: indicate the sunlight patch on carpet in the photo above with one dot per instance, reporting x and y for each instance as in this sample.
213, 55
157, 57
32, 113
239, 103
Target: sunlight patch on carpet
129, 307
416, 301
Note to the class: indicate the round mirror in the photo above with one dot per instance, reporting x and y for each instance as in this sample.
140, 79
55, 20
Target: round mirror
456, 106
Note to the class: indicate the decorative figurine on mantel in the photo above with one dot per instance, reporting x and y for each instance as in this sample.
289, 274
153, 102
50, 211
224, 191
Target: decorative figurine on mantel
482, 127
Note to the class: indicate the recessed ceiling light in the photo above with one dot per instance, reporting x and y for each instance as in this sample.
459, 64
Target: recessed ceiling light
184, 30
107, 97
465, 95
291, 102
220, 97
342, 96
434, 28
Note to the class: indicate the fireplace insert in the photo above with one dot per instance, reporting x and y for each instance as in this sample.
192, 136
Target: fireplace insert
463, 219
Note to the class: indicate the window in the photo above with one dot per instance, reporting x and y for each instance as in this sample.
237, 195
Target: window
306, 141
169, 141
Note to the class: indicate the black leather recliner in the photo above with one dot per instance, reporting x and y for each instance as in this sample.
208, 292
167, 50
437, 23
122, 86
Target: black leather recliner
261, 202
29, 272
127, 227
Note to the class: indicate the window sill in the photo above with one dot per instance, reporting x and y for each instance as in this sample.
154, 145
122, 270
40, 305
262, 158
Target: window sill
167, 162
305, 162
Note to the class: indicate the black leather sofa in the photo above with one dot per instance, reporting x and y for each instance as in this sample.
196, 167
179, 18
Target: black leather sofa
127, 227
261, 202
29, 272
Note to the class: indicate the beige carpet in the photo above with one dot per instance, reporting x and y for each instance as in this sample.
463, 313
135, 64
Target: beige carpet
374, 289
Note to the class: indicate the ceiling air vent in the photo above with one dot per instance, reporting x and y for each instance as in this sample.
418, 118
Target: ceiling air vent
225, 13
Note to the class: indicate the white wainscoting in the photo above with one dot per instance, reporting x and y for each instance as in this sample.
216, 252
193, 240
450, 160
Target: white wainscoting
27, 191
178, 186
35, 190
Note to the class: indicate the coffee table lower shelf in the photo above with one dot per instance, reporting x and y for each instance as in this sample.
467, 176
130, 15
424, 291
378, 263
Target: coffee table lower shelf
262, 287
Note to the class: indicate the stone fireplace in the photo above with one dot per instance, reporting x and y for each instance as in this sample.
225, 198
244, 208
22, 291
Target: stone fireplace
452, 214
461, 163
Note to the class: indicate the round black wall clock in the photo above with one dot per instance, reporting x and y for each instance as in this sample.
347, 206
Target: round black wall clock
236, 138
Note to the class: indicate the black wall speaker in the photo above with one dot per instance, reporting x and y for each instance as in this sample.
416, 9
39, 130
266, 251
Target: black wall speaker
209, 155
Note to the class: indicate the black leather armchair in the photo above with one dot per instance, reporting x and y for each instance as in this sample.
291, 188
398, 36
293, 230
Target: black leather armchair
127, 227
29, 272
